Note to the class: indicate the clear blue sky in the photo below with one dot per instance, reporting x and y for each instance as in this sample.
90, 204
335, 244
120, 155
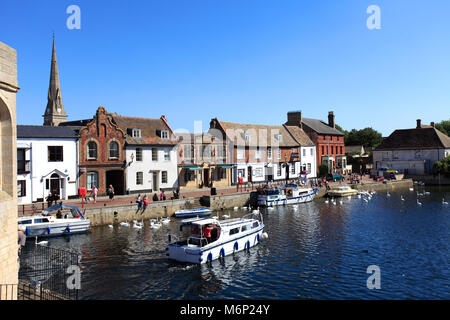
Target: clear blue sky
244, 61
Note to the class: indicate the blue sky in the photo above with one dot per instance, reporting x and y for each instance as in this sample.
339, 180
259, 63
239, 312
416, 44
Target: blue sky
247, 61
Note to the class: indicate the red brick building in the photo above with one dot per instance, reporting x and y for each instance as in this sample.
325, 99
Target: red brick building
101, 152
329, 141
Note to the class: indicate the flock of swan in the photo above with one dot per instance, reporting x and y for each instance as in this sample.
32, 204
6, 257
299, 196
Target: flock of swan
366, 196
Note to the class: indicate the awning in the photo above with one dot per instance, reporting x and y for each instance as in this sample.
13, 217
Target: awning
193, 168
225, 166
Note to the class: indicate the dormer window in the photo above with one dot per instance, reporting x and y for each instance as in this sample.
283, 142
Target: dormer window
136, 133
164, 134
279, 137
247, 137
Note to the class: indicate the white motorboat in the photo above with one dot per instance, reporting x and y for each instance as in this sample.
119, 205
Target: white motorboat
342, 191
187, 213
286, 195
47, 225
206, 239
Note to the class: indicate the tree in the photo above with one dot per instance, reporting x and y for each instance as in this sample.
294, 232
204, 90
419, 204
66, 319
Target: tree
366, 137
444, 126
442, 166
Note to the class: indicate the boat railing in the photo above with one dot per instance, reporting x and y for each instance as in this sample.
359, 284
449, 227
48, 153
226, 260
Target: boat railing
172, 238
198, 240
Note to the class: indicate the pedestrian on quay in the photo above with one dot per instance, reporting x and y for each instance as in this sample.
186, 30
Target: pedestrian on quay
94, 192
49, 200
155, 197
162, 196
111, 192
145, 203
139, 202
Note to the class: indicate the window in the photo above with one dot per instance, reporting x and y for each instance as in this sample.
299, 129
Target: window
55, 154
278, 153
139, 178
92, 150
323, 150
21, 188
92, 180
188, 152
279, 137
258, 154
164, 134
138, 154
292, 168
311, 151
166, 154
154, 154
234, 231
240, 154
279, 170
136, 133
308, 166
255, 224
269, 153
207, 151
113, 150
342, 150
189, 175
247, 137
304, 152
244, 228
25, 222
40, 220
163, 176
258, 172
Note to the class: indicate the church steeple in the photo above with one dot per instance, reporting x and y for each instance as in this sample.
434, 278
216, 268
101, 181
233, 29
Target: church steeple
54, 113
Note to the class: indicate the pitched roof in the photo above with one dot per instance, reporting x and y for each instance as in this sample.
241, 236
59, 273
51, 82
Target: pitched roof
150, 130
418, 138
321, 127
299, 135
27, 131
258, 133
357, 149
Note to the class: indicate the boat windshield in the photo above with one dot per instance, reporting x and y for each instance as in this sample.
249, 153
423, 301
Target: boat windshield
272, 192
203, 234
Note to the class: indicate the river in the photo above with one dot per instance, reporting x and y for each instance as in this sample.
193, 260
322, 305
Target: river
314, 251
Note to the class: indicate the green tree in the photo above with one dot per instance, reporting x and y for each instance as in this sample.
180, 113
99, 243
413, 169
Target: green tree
366, 137
442, 166
444, 126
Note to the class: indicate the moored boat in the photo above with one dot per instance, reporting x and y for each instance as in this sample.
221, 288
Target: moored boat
341, 191
291, 194
188, 213
47, 225
205, 239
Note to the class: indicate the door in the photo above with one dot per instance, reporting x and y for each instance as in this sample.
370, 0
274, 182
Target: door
115, 178
155, 179
249, 174
55, 185
206, 177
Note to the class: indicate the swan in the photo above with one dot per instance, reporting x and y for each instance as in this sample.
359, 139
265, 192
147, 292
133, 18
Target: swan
155, 225
226, 216
165, 220
419, 203
411, 189
349, 197
388, 194
137, 225
340, 202
401, 198
41, 243
367, 201
110, 225
215, 217
236, 208
326, 201
444, 202
125, 224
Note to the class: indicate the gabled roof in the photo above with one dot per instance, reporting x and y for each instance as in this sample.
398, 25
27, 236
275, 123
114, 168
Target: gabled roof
27, 131
418, 138
320, 127
150, 130
258, 133
357, 149
299, 135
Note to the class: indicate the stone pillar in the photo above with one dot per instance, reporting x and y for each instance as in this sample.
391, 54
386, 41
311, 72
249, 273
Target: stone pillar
8, 172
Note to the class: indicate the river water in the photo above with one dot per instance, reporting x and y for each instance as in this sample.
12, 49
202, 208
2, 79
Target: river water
314, 251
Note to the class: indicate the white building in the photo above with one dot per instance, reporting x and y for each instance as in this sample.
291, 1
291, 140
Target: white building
150, 153
412, 151
46, 163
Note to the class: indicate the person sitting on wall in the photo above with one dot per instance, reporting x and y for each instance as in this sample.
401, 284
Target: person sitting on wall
162, 196
155, 197
49, 200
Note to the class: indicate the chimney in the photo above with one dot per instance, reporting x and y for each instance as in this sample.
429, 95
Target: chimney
432, 124
294, 118
419, 125
331, 119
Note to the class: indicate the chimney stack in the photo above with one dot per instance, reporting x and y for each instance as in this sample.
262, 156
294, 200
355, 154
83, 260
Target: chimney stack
294, 118
331, 119
433, 125
419, 125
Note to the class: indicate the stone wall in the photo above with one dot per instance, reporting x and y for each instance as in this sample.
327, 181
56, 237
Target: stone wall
8, 169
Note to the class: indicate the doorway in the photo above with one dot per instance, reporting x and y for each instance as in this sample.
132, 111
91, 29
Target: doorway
115, 178
55, 185
206, 177
155, 180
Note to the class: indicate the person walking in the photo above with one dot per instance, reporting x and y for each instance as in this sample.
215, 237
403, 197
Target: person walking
111, 192
94, 192
145, 203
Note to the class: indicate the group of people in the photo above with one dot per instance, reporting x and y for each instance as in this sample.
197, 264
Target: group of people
51, 198
142, 201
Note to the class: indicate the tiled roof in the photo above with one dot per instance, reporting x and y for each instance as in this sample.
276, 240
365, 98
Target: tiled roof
320, 127
300, 136
26, 131
150, 130
259, 133
426, 137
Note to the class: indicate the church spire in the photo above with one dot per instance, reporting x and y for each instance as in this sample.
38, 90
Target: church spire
54, 113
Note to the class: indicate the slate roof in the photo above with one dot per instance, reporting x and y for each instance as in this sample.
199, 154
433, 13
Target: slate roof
300, 136
320, 127
258, 132
426, 137
150, 130
30, 131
